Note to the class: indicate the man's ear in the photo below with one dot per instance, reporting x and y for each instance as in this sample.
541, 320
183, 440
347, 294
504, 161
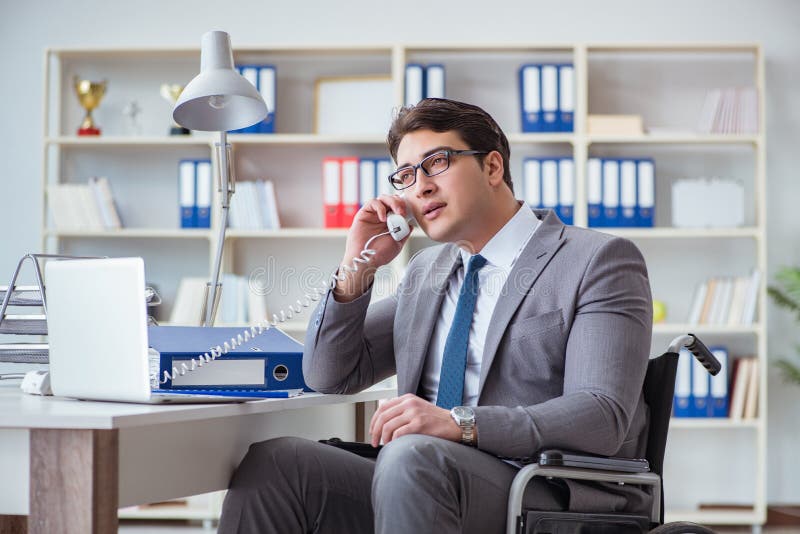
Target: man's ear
493, 164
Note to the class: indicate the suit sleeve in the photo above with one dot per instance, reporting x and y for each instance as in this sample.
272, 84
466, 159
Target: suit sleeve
605, 362
349, 346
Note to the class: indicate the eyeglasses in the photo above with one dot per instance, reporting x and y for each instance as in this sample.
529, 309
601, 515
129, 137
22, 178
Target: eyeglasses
436, 163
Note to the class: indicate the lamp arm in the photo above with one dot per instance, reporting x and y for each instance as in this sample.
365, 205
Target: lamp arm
226, 188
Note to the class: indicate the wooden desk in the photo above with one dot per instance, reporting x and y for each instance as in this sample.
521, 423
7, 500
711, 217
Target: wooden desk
69, 465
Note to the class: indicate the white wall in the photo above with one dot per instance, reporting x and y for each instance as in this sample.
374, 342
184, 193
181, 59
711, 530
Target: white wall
26, 28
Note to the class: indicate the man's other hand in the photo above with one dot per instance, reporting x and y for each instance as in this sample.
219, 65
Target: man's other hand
410, 414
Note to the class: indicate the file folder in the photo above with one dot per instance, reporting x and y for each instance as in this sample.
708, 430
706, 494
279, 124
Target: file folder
594, 192
269, 361
530, 100
701, 381
368, 186
681, 406
566, 190
627, 195
384, 168
331, 192
267, 87
532, 182
549, 99
718, 404
203, 186
610, 192
566, 97
350, 189
415, 84
646, 191
249, 73
550, 184
434, 81
186, 193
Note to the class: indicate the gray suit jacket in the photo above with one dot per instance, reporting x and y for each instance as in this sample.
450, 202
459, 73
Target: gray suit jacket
563, 363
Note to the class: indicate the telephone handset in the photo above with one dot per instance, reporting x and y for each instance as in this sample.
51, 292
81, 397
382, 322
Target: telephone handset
397, 226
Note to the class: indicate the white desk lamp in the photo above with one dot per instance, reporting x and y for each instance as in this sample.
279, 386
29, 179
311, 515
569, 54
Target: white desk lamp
217, 100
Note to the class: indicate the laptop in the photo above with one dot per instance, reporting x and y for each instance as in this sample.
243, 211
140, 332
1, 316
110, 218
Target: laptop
97, 331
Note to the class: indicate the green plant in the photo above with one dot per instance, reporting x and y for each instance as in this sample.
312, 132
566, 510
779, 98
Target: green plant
786, 294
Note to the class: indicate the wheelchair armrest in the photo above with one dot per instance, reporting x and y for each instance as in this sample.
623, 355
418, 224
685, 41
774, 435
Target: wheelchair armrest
559, 458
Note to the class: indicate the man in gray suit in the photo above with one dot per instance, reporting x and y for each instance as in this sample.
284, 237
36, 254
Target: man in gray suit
518, 333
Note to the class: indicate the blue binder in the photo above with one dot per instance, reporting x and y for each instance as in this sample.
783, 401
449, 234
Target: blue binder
610, 181
268, 88
566, 98
532, 182
367, 180
414, 84
566, 190
530, 90
594, 192
203, 191
275, 357
549, 173
187, 198
549, 99
628, 204
249, 73
682, 401
646, 188
720, 393
434, 81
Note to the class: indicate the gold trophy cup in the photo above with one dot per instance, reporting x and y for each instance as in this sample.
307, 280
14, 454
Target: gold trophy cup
171, 92
89, 95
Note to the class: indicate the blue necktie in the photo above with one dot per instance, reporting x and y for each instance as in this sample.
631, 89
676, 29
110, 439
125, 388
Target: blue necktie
454, 360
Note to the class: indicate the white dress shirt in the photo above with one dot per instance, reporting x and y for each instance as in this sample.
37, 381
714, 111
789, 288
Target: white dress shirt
501, 252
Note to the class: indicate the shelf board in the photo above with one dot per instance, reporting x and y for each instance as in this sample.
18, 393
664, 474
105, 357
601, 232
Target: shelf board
132, 141
708, 423
714, 517
684, 233
314, 233
132, 233
687, 138
702, 329
544, 137
306, 139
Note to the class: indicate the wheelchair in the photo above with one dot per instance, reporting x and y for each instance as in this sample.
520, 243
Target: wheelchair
659, 388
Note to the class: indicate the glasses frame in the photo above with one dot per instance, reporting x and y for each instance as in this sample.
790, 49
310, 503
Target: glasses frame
419, 166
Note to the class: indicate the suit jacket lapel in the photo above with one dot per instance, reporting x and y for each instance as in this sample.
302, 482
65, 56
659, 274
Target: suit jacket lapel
532, 260
429, 301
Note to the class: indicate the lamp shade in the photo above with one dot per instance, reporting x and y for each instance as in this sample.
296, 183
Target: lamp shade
219, 98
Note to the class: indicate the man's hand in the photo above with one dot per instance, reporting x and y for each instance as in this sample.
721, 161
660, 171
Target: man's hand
410, 414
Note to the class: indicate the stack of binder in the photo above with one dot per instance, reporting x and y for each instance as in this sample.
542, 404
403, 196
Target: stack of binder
547, 97
264, 79
620, 192
697, 393
194, 193
549, 183
88, 206
349, 182
423, 81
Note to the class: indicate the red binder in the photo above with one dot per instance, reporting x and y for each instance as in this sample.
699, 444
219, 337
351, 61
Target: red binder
350, 187
331, 192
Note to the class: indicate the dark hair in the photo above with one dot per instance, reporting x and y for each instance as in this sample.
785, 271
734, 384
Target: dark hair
475, 127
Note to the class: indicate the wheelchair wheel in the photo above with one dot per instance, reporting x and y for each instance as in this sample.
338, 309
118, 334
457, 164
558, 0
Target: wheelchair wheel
681, 527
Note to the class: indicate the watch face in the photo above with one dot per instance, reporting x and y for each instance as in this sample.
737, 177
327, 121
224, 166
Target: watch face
463, 413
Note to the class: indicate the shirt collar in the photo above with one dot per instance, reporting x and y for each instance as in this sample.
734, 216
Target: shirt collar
505, 246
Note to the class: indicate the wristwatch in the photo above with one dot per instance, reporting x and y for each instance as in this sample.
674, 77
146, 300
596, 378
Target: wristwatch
464, 416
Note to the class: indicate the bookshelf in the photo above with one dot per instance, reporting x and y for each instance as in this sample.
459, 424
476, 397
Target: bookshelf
644, 78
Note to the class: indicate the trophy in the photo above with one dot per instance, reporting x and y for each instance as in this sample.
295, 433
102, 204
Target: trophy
89, 95
171, 92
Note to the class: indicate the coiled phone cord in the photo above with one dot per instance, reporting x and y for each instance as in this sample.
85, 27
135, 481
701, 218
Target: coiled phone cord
364, 257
